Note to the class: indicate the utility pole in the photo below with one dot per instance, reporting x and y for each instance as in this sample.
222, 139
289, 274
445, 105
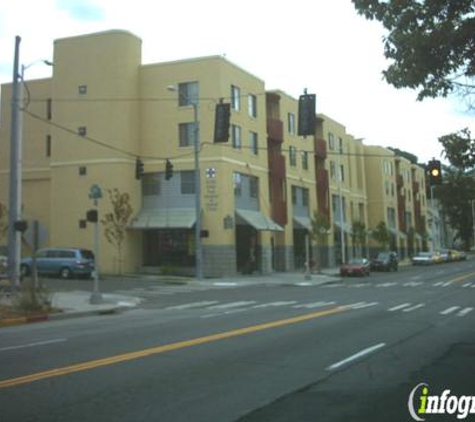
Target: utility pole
14, 196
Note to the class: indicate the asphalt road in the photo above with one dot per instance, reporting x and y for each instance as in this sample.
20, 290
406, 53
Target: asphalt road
351, 350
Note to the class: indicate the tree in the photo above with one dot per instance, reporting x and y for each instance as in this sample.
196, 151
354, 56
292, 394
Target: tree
431, 44
381, 234
116, 222
319, 233
358, 235
459, 149
455, 195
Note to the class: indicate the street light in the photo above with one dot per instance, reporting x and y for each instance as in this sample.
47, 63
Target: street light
15, 183
196, 142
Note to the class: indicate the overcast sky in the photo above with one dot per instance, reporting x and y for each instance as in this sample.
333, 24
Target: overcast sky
321, 45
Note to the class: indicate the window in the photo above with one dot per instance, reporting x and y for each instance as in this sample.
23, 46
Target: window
49, 109
305, 197
253, 187
186, 134
342, 173
305, 160
82, 171
293, 156
82, 224
391, 218
291, 123
332, 170
188, 93
237, 181
340, 145
187, 180
151, 184
82, 89
253, 144
236, 136
48, 145
331, 141
252, 105
294, 195
235, 98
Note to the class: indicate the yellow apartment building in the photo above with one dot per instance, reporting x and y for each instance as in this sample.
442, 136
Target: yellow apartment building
103, 109
347, 189
396, 196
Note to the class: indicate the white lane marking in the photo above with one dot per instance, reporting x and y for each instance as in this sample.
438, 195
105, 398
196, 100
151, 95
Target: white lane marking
38, 343
231, 305
225, 283
467, 285
192, 305
396, 308
387, 284
448, 283
362, 305
413, 308
412, 283
464, 312
439, 283
358, 355
449, 310
359, 285
313, 305
473, 286
272, 304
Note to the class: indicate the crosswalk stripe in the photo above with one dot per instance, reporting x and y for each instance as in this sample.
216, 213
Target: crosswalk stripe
464, 312
398, 307
413, 308
192, 305
449, 310
272, 304
387, 284
448, 283
439, 283
467, 285
314, 305
364, 305
231, 305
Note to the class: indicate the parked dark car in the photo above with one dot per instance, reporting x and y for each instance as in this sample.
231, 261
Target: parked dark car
385, 261
62, 262
355, 266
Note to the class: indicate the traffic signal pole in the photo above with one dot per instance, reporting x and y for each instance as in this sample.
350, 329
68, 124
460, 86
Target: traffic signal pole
14, 196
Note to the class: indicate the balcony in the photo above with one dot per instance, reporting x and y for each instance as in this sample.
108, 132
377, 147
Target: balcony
320, 149
275, 130
276, 165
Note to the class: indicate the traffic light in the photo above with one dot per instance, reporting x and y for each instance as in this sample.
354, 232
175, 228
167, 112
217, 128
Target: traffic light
435, 173
168, 170
307, 118
138, 168
221, 122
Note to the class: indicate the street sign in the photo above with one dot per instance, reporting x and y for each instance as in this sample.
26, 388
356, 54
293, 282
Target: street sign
95, 192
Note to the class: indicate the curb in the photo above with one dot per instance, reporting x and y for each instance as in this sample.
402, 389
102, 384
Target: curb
58, 316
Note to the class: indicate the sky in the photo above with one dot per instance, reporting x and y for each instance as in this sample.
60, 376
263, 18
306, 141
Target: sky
321, 45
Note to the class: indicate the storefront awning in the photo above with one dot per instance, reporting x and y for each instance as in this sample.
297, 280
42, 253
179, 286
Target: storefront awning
257, 220
164, 218
302, 222
346, 226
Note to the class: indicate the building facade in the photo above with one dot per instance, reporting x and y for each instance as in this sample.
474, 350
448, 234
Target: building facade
102, 110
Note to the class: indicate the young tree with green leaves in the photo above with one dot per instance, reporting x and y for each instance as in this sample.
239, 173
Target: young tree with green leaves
115, 223
359, 235
319, 233
381, 234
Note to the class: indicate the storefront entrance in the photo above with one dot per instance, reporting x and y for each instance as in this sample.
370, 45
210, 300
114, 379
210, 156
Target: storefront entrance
169, 247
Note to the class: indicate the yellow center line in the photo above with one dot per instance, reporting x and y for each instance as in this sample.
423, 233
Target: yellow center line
84, 366
462, 277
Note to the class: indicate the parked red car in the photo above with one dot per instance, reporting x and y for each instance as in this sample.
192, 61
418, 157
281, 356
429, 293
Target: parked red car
355, 266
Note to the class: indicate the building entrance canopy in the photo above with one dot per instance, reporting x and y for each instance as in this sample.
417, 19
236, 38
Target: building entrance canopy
301, 222
257, 220
164, 218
